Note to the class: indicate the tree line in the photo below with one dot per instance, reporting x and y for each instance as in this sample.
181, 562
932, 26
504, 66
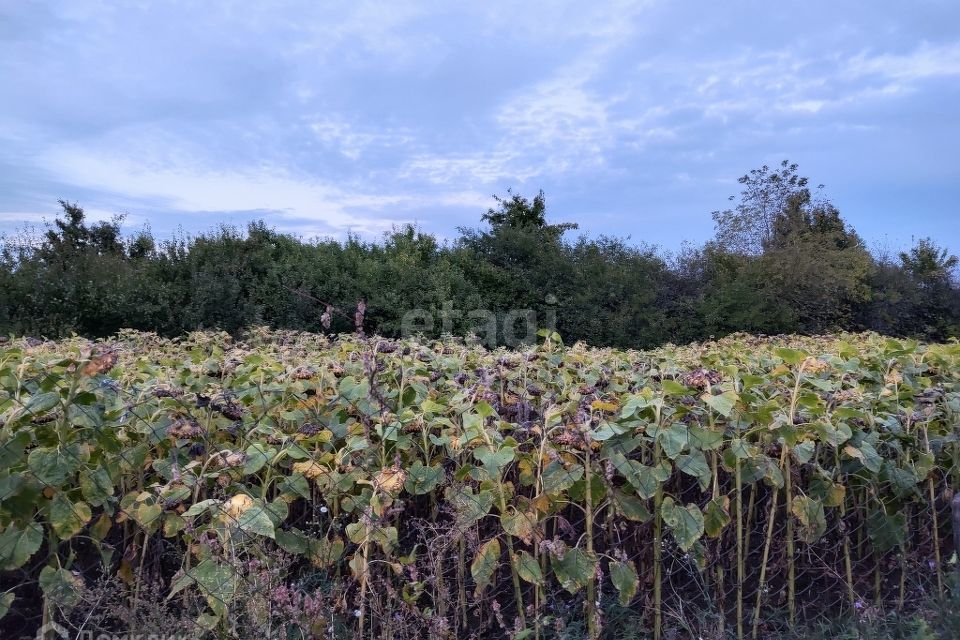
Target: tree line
783, 260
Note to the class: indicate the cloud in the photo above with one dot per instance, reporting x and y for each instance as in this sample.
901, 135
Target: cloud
558, 124
355, 116
926, 61
187, 188
353, 141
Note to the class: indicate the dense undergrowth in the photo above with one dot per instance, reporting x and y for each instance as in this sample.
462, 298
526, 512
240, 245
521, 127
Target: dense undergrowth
291, 485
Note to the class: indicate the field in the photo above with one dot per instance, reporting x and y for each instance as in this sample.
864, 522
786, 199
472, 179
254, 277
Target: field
293, 485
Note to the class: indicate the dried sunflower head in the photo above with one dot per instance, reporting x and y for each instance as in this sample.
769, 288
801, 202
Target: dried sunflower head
390, 479
236, 505
186, 428
310, 469
815, 366
101, 363
303, 373
701, 378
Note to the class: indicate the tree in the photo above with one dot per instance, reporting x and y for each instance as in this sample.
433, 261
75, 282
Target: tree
936, 312
802, 264
71, 234
929, 263
516, 212
767, 194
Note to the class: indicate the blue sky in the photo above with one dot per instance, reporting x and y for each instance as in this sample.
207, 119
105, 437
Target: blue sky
325, 118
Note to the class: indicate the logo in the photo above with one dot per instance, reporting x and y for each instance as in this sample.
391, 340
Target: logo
52, 631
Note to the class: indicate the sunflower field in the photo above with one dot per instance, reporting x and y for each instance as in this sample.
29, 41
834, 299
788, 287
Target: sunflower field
294, 485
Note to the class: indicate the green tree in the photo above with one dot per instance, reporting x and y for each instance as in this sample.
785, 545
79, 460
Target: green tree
937, 309
929, 263
766, 195
801, 264
515, 211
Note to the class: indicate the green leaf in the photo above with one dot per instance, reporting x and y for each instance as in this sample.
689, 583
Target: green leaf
484, 409
41, 403
386, 537
716, 517
625, 579
828, 492
835, 435
813, 522
278, 510
607, 430
705, 439
356, 532
686, 523
630, 507
353, 390
634, 404
518, 523
96, 485
54, 466
61, 586
296, 486
804, 451
574, 568
200, 507
148, 516
673, 439
791, 356
673, 388
422, 479
11, 450
218, 582
902, 481
694, 464
866, 454
740, 449
18, 545
556, 478
6, 600
494, 459
10, 486
429, 406
257, 457
485, 564
646, 479
528, 568
292, 541
470, 506
68, 518
722, 404
256, 520
885, 531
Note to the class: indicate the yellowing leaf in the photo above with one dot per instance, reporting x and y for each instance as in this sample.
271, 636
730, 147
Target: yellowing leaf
601, 405
485, 564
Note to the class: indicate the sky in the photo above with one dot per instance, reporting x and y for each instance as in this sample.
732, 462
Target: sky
328, 118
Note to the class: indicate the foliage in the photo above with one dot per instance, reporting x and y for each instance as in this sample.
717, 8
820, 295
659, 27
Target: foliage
783, 261
546, 474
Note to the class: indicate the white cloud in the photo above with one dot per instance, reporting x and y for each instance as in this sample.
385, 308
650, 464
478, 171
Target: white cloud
484, 167
197, 189
559, 124
925, 61
353, 141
